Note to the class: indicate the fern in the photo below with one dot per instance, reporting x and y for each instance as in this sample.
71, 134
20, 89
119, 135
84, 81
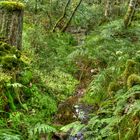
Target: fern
74, 128
8, 134
111, 125
39, 129
61, 84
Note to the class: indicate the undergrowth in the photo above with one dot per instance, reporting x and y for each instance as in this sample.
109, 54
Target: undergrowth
114, 91
46, 74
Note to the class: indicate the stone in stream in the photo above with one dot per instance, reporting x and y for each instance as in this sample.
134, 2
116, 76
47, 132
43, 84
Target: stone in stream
78, 136
11, 21
82, 112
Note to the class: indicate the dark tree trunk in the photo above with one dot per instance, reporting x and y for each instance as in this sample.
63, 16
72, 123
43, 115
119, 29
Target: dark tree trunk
11, 21
63, 15
72, 15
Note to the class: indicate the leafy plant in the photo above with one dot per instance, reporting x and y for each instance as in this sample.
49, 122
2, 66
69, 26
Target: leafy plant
40, 129
8, 134
61, 84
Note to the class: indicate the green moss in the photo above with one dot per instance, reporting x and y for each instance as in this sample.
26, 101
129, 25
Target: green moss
4, 49
130, 69
4, 77
132, 80
8, 49
11, 6
4, 46
9, 56
113, 87
9, 62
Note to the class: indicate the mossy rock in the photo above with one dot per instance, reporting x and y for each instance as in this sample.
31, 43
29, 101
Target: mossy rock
65, 114
130, 68
133, 80
9, 62
113, 87
4, 46
8, 49
11, 5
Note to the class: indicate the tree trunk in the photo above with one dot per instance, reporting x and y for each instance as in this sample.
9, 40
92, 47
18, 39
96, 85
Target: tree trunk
72, 15
130, 12
63, 15
107, 8
11, 21
36, 6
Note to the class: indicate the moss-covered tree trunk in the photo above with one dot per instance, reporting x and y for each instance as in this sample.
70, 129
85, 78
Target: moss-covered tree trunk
11, 21
63, 15
130, 12
72, 15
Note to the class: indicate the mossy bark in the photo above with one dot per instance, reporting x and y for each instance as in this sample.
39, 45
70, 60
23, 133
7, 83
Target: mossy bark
130, 12
11, 21
72, 15
63, 15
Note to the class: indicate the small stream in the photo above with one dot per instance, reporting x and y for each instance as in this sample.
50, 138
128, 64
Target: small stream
72, 109
82, 113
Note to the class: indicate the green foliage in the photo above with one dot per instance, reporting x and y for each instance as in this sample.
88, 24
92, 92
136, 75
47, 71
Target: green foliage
40, 129
26, 77
109, 59
43, 102
109, 125
11, 6
116, 107
75, 127
91, 16
61, 84
10, 64
21, 89
49, 47
106, 64
97, 90
8, 134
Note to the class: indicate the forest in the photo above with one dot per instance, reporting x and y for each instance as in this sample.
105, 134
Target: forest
69, 69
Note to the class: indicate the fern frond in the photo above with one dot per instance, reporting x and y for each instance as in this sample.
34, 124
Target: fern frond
40, 128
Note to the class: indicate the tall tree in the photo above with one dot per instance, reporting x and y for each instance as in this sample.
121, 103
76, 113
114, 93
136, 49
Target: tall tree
130, 12
72, 15
63, 15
